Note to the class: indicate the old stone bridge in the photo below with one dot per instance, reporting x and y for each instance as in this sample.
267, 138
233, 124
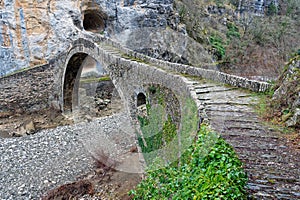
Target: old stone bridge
52, 84
219, 101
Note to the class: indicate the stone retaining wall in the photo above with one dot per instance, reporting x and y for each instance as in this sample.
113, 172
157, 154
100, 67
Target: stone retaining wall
32, 89
28, 90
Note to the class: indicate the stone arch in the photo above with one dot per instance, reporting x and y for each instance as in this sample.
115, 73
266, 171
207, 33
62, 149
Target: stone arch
141, 99
94, 21
88, 87
72, 70
69, 66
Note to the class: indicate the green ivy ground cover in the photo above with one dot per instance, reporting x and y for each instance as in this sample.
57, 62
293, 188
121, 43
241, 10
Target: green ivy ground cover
209, 169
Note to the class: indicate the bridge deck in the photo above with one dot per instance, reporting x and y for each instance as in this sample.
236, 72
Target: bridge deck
273, 167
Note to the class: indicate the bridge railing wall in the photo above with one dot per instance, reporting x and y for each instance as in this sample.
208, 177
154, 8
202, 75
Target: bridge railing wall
237, 81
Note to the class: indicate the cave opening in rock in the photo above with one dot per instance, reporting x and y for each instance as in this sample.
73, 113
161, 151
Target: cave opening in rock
94, 21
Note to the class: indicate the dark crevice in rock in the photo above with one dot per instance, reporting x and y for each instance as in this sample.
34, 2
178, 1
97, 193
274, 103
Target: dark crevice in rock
164, 55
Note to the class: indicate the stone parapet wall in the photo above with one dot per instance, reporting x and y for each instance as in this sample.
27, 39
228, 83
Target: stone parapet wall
237, 81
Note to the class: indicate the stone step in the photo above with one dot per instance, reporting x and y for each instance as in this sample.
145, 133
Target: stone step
249, 134
205, 85
262, 145
213, 89
229, 108
231, 115
221, 125
234, 101
226, 92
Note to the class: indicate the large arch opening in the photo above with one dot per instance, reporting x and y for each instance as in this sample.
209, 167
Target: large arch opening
94, 21
88, 91
72, 71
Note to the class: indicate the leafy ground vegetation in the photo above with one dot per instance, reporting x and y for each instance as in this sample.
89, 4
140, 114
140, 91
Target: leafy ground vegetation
243, 43
209, 169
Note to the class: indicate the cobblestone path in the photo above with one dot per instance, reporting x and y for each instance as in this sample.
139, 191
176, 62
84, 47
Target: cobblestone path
272, 166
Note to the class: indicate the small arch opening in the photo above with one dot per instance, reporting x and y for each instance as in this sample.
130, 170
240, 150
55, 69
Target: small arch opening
141, 99
94, 21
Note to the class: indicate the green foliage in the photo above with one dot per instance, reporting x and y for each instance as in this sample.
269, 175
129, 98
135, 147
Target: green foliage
233, 31
275, 36
182, 12
209, 169
272, 9
219, 3
291, 8
157, 132
152, 89
155, 140
159, 139
169, 131
94, 79
218, 45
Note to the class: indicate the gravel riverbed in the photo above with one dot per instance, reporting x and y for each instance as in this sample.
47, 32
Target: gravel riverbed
34, 164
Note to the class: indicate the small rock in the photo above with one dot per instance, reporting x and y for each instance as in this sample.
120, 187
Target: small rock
21, 131
29, 127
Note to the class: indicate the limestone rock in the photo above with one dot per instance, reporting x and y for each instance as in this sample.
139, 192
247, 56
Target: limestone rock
31, 33
165, 44
294, 121
287, 94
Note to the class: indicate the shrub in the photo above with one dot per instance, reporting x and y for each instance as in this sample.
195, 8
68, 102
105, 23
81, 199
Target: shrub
233, 31
218, 46
209, 169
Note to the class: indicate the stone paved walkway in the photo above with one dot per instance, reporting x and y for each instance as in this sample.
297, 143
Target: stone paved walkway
273, 167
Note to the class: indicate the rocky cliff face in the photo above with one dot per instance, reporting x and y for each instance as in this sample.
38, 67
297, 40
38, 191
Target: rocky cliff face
286, 98
32, 32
